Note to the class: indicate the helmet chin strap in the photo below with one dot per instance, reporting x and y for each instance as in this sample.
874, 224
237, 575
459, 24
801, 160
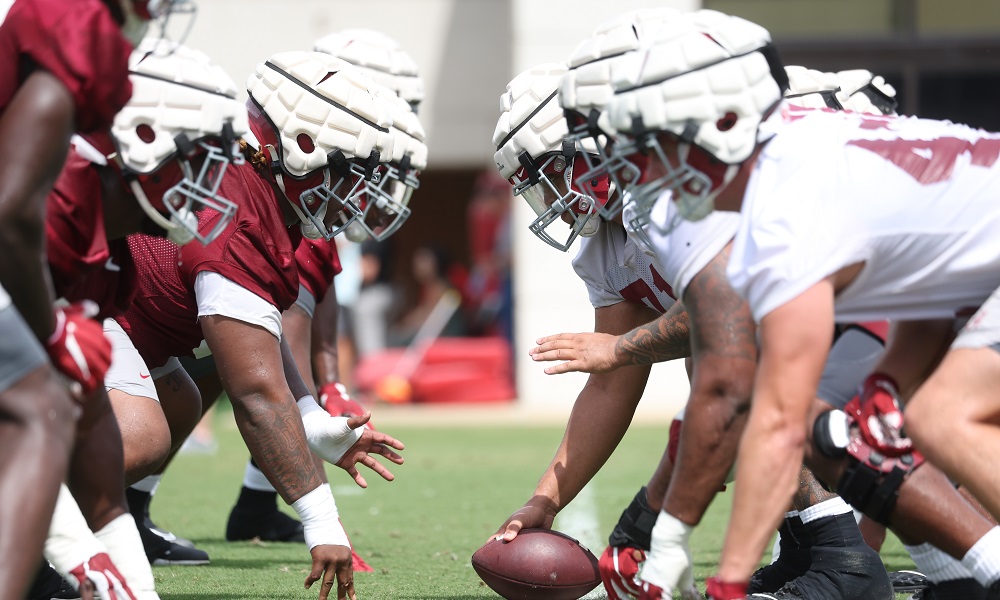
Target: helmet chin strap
307, 225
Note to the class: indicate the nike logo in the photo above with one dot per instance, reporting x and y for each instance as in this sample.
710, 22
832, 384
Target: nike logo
111, 266
143, 376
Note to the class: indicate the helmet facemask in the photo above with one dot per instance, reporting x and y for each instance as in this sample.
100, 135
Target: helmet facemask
547, 185
193, 174
610, 171
385, 202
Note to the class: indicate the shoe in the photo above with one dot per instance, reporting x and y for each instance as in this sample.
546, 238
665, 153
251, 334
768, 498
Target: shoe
957, 589
50, 585
271, 526
907, 581
161, 552
168, 536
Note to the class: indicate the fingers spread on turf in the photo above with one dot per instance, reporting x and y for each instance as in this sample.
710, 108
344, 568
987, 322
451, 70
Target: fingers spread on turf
315, 574
345, 582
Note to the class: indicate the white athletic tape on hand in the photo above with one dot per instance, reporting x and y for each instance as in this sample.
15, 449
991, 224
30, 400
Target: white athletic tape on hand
320, 520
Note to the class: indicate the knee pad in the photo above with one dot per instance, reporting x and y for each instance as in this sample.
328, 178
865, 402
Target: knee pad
872, 480
635, 526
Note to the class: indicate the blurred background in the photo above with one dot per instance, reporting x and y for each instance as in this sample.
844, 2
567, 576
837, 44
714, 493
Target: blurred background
468, 234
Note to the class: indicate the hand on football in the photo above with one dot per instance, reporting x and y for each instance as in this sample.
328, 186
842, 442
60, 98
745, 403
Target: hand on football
333, 565
580, 352
371, 442
539, 512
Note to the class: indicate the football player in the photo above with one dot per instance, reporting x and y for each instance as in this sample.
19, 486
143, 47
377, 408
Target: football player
299, 179
845, 232
64, 69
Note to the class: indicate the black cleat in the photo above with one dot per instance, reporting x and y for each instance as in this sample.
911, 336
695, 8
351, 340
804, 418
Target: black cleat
270, 526
167, 535
161, 552
50, 585
907, 581
957, 589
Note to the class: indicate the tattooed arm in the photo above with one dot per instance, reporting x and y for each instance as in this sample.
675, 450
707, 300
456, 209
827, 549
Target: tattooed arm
249, 361
724, 357
662, 339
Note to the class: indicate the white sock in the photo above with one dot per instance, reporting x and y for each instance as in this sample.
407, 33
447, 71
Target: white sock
125, 549
148, 484
254, 479
70, 541
937, 565
827, 508
983, 559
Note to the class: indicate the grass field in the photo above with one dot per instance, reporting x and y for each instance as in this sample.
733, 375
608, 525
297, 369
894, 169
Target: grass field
458, 485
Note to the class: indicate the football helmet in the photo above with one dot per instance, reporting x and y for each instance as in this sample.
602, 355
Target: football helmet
586, 89
176, 137
856, 90
380, 57
534, 153
324, 133
707, 80
384, 212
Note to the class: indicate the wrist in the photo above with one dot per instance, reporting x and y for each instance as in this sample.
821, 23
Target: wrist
320, 518
716, 589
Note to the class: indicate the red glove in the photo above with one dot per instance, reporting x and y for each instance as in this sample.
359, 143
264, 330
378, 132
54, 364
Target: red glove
650, 591
335, 399
878, 416
78, 347
716, 589
100, 575
619, 566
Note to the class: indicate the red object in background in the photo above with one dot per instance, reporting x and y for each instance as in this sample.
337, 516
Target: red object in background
453, 370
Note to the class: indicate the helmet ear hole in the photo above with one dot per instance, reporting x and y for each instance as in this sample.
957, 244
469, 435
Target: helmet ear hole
727, 122
305, 143
146, 133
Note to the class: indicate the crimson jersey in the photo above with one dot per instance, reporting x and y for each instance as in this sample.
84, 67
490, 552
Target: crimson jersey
76, 41
318, 263
256, 251
83, 263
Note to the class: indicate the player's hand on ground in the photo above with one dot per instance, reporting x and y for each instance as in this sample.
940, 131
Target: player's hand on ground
579, 352
98, 578
370, 443
619, 567
77, 346
333, 567
539, 512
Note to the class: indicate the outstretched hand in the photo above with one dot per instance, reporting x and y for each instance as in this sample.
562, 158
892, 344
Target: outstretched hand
581, 352
333, 565
539, 512
371, 442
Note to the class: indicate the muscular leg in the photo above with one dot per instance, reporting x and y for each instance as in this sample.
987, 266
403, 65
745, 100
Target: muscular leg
36, 434
97, 468
145, 433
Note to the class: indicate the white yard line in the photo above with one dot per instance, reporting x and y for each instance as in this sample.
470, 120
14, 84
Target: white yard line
580, 520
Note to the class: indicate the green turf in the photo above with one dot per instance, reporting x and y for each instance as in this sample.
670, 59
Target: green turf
457, 486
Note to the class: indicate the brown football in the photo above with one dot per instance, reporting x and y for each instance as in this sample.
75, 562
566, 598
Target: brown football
539, 564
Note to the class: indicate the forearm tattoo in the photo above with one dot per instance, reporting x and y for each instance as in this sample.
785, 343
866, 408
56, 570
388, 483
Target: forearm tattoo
666, 338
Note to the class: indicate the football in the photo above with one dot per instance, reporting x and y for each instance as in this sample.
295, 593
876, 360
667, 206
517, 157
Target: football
538, 564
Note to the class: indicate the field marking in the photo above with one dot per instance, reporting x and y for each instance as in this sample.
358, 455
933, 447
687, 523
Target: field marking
580, 520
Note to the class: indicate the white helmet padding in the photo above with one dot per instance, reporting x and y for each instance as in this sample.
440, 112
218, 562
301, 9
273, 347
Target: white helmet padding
322, 126
534, 153
380, 57
855, 90
709, 79
182, 107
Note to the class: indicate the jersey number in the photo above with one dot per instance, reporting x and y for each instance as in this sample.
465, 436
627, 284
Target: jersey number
640, 292
932, 161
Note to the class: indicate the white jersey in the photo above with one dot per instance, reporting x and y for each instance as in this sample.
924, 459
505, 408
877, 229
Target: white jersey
615, 269
691, 245
917, 201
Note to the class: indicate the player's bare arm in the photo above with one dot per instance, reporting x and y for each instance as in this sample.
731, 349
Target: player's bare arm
659, 340
913, 351
600, 417
42, 110
325, 356
249, 362
724, 353
795, 340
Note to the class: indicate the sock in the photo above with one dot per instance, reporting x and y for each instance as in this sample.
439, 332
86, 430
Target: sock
121, 538
983, 559
254, 478
256, 501
831, 524
139, 495
70, 542
937, 565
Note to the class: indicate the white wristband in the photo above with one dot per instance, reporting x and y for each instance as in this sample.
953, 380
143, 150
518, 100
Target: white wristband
328, 436
320, 520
